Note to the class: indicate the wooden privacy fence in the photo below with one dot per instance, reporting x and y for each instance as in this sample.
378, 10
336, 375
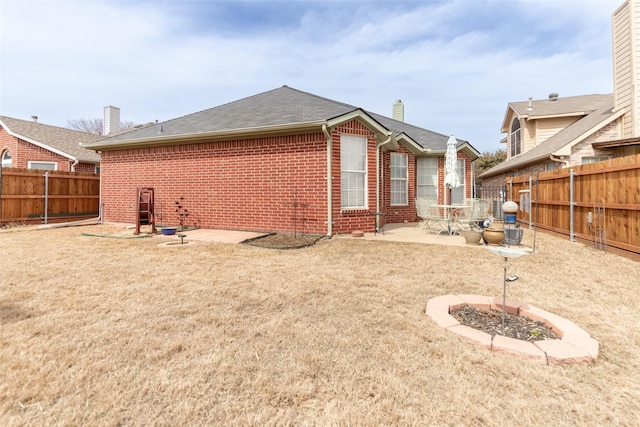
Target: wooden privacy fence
40, 197
598, 202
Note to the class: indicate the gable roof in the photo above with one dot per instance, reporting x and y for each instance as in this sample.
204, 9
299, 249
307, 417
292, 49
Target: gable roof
277, 111
569, 106
420, 141
561, 143
65, 142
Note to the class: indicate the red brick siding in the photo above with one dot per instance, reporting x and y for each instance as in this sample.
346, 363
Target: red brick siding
252, 184
245, 184
398, 214
22, 152
348, 220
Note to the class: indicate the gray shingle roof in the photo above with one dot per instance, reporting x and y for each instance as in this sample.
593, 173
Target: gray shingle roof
569, 105
567, 135
63, 140
426, 138
282, 106
278, 107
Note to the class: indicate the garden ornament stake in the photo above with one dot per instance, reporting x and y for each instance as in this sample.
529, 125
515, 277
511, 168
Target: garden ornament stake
506, 253
182, 213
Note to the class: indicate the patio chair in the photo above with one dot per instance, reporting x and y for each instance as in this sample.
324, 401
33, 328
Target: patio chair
436, 220
422, 210
461, 217
479, 213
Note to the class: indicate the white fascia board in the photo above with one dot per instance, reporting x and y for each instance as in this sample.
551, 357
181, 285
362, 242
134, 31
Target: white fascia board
505, 126
37, 143
557, 116
565, 150
361, 115
415, 148
470, 151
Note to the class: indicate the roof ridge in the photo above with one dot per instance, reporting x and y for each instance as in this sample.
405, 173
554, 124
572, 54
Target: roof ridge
319, 97
261, 94
32, 123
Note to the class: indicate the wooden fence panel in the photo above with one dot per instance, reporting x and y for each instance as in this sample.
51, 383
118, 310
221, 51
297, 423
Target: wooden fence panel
612, 186
68, 196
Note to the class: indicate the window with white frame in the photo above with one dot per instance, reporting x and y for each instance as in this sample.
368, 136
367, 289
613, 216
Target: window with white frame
49, 166
399, 179
595, 159
6, 159
427, 178
458, 194
353, 172
515, 138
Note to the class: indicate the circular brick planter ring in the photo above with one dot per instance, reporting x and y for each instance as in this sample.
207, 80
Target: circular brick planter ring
575, 346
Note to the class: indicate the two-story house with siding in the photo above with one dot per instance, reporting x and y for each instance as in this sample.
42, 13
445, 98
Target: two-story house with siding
558, 132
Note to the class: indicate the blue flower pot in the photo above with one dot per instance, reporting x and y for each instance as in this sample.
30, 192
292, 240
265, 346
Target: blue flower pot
168, 231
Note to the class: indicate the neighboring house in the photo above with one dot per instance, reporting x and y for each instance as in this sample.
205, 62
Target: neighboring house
283, 160
32, 145
560, 131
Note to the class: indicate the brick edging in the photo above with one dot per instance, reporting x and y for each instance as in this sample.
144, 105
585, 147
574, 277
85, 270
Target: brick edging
575, 345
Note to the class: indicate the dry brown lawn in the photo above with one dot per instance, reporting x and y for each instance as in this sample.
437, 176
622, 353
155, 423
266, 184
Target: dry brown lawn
103, 331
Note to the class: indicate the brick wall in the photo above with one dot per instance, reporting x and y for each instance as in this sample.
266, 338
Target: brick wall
348, 220
243, 185
396, 213
267, 184
23, 152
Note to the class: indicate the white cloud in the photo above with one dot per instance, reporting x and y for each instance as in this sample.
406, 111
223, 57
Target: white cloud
455, 64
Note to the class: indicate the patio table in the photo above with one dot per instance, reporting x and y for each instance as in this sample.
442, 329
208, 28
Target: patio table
448, 214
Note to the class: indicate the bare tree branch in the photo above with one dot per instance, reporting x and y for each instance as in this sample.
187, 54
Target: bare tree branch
94, 126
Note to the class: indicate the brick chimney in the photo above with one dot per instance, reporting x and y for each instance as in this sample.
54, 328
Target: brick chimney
111, 119
398, 111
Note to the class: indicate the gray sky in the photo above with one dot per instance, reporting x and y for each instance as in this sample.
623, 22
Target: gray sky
455, 64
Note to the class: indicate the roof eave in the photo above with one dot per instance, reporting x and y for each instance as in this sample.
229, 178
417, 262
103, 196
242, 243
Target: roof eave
411, 145
556, 116
160, 140
565, 150
37, 143
381, 132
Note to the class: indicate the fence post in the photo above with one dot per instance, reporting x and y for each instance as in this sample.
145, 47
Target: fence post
530, 202
46, 196
572, 236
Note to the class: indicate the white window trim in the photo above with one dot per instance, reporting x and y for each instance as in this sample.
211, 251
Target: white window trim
593, 159
6, 162
419, 170
343, 139
30, 164
513, 136
405, 179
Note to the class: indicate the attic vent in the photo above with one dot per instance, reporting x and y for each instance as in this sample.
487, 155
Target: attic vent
34, 118
553, 96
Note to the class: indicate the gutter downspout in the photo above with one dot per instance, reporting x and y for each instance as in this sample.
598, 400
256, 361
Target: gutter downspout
327, 134
555, 159
73, 166
378, 177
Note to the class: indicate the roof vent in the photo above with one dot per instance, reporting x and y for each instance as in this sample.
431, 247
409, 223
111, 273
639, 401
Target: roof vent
35, 119
553, 96
398, 111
